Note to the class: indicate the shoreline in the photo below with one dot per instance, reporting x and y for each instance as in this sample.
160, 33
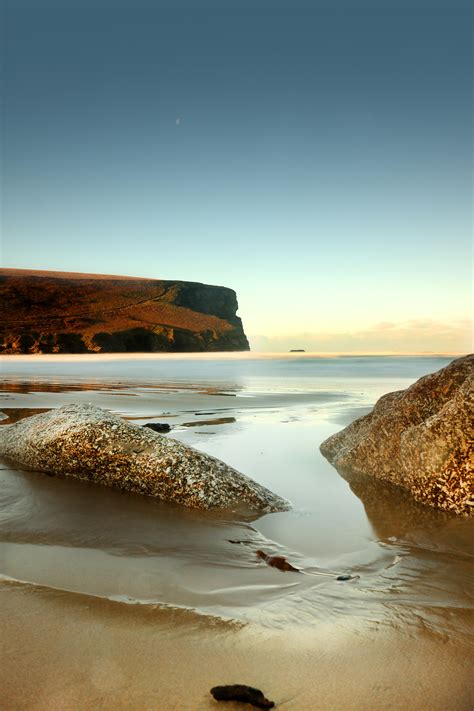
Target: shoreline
212, 613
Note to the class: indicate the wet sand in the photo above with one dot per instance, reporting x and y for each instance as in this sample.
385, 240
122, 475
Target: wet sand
63, 651
117, 601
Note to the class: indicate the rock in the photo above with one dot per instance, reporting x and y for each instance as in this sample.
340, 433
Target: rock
89, 443
420, 439
243, 693
277, 561
61, 312
158, 426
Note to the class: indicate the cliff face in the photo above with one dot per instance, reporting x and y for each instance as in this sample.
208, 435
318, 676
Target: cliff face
60, 312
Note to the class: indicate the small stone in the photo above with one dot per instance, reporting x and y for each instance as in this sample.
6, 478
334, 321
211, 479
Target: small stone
277, 561
243, 693
158, 426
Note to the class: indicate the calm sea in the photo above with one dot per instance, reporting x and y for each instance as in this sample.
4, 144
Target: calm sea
266, 416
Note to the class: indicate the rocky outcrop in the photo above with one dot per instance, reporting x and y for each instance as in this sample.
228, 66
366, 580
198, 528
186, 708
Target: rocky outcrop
60, 312
86, 442
420, 439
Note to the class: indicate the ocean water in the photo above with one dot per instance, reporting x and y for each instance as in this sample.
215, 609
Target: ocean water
412, 567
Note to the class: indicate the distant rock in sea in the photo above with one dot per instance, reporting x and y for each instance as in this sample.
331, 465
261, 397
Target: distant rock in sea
86, 442
420, 439
60, 312
297, 350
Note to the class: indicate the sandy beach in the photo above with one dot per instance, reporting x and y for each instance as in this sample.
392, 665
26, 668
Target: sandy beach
118, 601
63, 651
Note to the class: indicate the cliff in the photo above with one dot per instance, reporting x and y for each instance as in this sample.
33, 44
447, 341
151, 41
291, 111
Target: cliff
61, 312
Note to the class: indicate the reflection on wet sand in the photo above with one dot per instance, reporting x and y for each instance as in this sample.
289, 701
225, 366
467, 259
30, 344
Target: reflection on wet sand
87, 539
66, 386
216, 421
432, 566
14, 414
391, 510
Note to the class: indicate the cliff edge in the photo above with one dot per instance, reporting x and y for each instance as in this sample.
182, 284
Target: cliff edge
62, 312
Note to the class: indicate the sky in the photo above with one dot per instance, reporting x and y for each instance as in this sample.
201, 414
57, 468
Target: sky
314, 156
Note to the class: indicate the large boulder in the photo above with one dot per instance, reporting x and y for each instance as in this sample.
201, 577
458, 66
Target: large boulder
420, 439
89, 443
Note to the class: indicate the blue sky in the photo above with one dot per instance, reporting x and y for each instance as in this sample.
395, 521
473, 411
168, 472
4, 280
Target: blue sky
314, 156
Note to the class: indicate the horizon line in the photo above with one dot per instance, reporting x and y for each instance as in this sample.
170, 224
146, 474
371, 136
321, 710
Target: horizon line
229, 355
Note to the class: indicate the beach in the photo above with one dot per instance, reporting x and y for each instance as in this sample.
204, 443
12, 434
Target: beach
114, 600
72, 652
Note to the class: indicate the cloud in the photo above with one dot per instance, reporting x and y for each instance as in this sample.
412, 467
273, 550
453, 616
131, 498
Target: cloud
414, 336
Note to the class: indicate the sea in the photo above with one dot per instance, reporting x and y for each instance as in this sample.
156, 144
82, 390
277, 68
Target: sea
406, 566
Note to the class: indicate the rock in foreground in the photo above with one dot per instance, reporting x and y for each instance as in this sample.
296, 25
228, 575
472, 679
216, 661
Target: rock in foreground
420, 439
89, 443
243, 693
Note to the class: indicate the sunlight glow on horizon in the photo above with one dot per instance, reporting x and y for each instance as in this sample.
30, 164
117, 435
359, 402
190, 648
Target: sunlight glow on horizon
316, 159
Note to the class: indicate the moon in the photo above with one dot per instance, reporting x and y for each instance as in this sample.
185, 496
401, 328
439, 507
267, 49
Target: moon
178, 120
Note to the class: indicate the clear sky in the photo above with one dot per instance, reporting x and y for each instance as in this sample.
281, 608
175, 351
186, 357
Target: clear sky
314, 156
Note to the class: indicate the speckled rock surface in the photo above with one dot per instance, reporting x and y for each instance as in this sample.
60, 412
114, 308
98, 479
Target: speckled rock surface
89, 443
420, 439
